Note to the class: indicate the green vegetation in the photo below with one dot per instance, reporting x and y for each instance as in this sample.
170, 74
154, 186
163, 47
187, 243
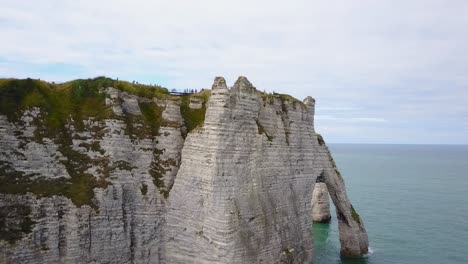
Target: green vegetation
157, 171
79, 188
123, 165
93, 146
194, 117
65, 105
287, 97
145, 125
142, 90
55, 126
152, 115
355, 215
78, 99
338, 173
269, 98
332, 161
65, 109
15, 222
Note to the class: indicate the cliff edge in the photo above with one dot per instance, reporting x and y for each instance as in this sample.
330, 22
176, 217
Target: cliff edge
104, 171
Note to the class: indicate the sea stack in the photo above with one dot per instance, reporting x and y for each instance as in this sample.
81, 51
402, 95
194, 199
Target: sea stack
320, 202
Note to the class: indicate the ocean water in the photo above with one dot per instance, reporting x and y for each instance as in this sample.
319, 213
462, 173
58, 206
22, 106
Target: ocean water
413, 200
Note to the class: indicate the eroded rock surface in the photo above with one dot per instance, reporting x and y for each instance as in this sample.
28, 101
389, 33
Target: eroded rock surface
353, 236
121, 221
243, 191
320, 202
158, 180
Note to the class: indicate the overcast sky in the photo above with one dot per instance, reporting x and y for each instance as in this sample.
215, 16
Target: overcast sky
381, 71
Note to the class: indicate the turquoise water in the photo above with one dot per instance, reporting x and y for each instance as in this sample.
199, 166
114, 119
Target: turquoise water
413, 199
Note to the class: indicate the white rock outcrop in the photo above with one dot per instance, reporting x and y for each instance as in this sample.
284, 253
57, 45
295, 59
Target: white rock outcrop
125, 226
320, 202
243, 191
236, 189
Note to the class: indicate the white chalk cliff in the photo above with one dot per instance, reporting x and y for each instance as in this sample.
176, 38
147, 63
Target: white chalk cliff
236, 189
320, 202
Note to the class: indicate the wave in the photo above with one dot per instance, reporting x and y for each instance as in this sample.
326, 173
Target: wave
369, 252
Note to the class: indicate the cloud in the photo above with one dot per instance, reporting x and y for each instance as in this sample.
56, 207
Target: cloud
339, 108
400, 61
351, 119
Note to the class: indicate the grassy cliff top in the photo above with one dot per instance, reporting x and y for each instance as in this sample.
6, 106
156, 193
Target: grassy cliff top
71, 104
92, 83
81, 98
63, 107
269, 97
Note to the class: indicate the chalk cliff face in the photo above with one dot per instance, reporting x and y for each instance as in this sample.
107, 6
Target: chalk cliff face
145, 179
83, 192
320, 202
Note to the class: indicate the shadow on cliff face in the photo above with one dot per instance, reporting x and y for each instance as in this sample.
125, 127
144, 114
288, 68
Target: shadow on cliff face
327, 247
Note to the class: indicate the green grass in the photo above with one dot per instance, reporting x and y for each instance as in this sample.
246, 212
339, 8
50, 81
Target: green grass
147, 124
78, 99
147, 91
61, 106
194, 117
355, 215
66, 104
72, 103
79, 188
157, 171
152, 115
269, 98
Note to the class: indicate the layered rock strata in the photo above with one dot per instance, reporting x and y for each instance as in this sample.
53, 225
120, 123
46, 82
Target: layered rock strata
47, 214
320, 202
353, 236
150, 182
243, 191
